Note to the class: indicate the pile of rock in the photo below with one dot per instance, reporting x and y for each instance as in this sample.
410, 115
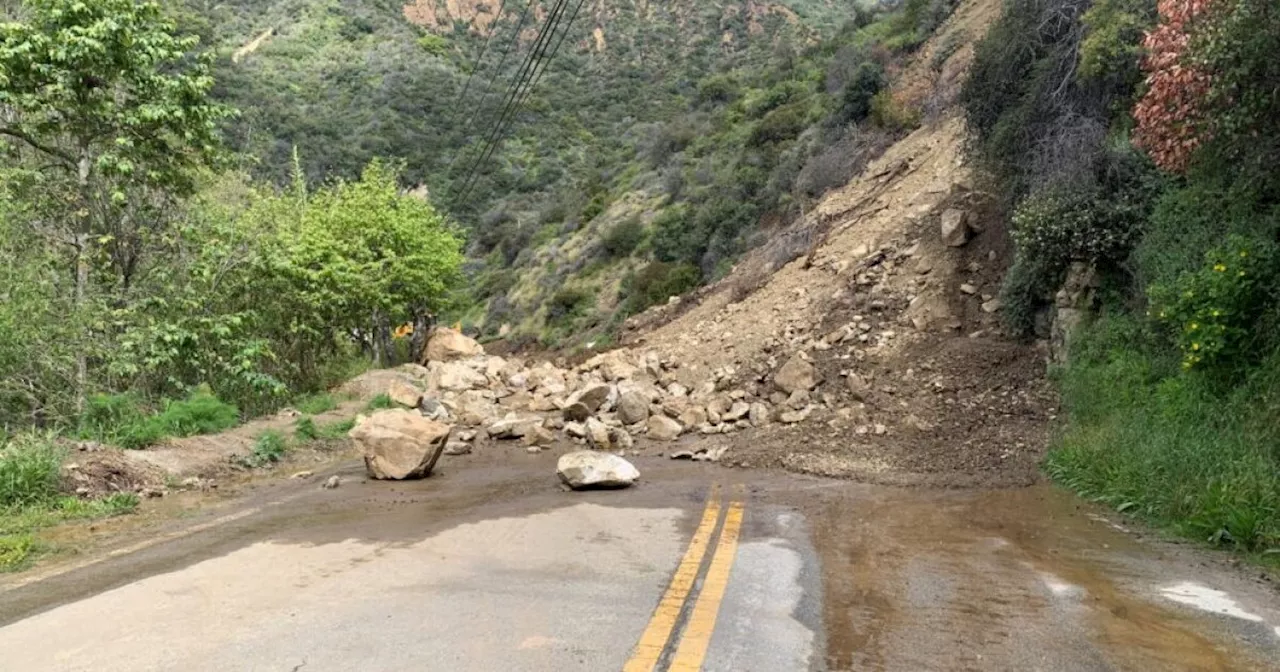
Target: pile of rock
463, 396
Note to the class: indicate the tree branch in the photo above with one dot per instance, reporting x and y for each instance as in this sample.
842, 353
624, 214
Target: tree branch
51, 151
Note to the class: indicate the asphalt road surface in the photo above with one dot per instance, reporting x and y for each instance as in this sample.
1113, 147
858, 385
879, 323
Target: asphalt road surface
695, 568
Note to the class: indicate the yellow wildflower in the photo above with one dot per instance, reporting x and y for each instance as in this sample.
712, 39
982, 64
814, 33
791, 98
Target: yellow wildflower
1195, 346
1220, 267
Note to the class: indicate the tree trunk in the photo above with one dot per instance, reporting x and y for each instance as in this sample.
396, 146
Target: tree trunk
82, 283
422, 323
82, 236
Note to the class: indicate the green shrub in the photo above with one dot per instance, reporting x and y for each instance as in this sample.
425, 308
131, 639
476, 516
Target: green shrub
379, 402
568, 304
30, 467
336, 430
891, 115
1174, 448
780, 125
201, 413
717, 89
1054, 228
268, 448
16, 551
621, 239
106, 415
315, 404
855, 100
305, 429
598, 204
656, 283
1070, 226
1214, 311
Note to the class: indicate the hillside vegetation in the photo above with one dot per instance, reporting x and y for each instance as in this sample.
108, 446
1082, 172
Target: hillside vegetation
1140, 139
662, 142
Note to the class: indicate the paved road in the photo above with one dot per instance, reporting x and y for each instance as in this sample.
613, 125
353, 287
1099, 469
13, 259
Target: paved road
696, 568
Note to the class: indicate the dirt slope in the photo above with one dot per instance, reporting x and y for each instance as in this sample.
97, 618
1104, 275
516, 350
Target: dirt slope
920, 385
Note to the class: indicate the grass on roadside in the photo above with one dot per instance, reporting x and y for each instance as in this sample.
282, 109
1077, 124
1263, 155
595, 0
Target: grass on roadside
30, 499
1186, 452
122, 420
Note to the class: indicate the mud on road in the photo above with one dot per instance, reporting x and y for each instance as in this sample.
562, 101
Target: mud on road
902, 579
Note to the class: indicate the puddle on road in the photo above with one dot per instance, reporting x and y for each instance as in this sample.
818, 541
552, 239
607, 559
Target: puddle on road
1018, 579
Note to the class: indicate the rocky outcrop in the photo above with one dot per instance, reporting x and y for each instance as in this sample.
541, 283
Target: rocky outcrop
1071, 305
400, 444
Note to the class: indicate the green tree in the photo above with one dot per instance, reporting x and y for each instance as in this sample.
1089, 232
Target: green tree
359, 258
102, 101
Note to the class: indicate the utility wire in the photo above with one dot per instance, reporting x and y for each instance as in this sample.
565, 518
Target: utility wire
545, 61
471, 119
523, 77
554, 50
475, 67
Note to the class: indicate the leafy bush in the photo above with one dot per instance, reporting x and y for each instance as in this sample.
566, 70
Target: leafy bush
1070, 226
891, 115
1213, 312
856, 98
382, 401
268, 448
107, 417
717, 89
16, 551
596, 205
201, 413
305, 429
1173, 448
336, 430
1052, 229
780, 125
30, 466
656, 283
568, 304
621, 239
315, 404
1111, 50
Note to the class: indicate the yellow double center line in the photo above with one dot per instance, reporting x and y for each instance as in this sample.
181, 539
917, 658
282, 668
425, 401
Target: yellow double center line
696, 637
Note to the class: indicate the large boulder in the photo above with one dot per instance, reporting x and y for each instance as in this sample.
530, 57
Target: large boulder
633, 407
662, 428
594, 396
398, 444
796, 374
615, 367
474, 408
404, 394
598, 434
546, 378
955, 227
591, 469
446, 345
514, 426
455, 376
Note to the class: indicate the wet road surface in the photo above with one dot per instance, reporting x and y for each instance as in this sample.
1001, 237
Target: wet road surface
697, 567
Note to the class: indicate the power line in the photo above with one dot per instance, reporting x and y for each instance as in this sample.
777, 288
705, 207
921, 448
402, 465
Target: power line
475, 67
554, 50
532, 83
497, 72
523, 77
